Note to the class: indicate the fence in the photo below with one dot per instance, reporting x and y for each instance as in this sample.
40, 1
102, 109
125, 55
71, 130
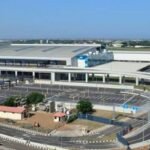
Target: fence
103, 120
122, 140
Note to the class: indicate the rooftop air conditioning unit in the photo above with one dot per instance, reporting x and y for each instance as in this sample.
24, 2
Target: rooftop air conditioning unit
104, 51
97, 52
90, 52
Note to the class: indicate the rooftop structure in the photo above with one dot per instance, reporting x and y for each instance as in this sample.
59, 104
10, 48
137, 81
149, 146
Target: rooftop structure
12, 109
14, 113
59, 114
59, 117
43, 51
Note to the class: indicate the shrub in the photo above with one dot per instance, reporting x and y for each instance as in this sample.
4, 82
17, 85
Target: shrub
72, 118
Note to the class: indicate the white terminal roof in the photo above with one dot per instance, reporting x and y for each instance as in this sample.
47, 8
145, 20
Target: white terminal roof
122, 66
44, 51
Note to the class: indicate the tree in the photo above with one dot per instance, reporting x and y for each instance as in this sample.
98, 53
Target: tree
84, 106
34, 98
11, 101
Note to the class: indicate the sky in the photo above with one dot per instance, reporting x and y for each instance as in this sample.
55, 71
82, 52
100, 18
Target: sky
75, 19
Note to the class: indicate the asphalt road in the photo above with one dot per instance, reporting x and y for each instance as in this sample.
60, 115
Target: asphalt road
7, 145
57, 141
67, 142
143, 136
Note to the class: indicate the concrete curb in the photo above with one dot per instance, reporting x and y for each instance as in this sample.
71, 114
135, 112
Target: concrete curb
30, 144
137, 131
25, 130
92, 142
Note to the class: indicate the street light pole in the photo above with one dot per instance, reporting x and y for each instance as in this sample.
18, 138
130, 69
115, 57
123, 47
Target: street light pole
143, 129
148, 115
113, 117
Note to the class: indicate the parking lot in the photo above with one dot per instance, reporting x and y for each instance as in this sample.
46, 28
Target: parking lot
74, 94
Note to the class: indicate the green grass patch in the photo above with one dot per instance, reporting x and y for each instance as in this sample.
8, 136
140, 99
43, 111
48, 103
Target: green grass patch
143, 87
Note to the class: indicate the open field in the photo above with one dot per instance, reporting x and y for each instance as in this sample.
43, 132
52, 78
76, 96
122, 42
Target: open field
108, 114
90, 125
142, 87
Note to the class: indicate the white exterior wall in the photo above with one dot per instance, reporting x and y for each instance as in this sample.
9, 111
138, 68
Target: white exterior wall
117, 45
94, 85
59, 119
99, 107
131, 56
13, 116
42, 81
68, 62
56, 119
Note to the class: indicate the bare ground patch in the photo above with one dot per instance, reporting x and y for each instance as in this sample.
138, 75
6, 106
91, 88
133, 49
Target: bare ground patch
44, 119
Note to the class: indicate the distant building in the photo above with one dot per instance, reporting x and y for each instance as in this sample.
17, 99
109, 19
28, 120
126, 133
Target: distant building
117, 44
14, 113
70, 64
141, 46
45, 55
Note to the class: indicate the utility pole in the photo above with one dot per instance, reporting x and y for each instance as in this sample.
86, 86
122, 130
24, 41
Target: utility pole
148, 114
143, 129
113, 116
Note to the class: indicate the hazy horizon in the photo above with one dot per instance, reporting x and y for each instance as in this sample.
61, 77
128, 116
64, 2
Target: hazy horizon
65, 19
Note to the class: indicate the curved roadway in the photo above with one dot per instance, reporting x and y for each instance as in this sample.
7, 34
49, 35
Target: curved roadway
57, 141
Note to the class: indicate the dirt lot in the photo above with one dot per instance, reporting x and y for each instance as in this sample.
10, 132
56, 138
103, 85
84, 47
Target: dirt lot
143, 148
44, 119
47, 124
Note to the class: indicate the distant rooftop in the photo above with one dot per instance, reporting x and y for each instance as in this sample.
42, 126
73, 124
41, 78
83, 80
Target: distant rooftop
92, 45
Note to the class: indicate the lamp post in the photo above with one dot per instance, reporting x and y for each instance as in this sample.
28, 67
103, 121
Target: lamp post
113, 117
148, 113
143, 129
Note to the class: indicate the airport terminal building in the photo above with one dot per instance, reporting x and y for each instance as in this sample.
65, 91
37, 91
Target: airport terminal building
73, 63
45, 55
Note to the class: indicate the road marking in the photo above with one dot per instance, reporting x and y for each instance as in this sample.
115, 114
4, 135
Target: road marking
19, 137
26, 135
